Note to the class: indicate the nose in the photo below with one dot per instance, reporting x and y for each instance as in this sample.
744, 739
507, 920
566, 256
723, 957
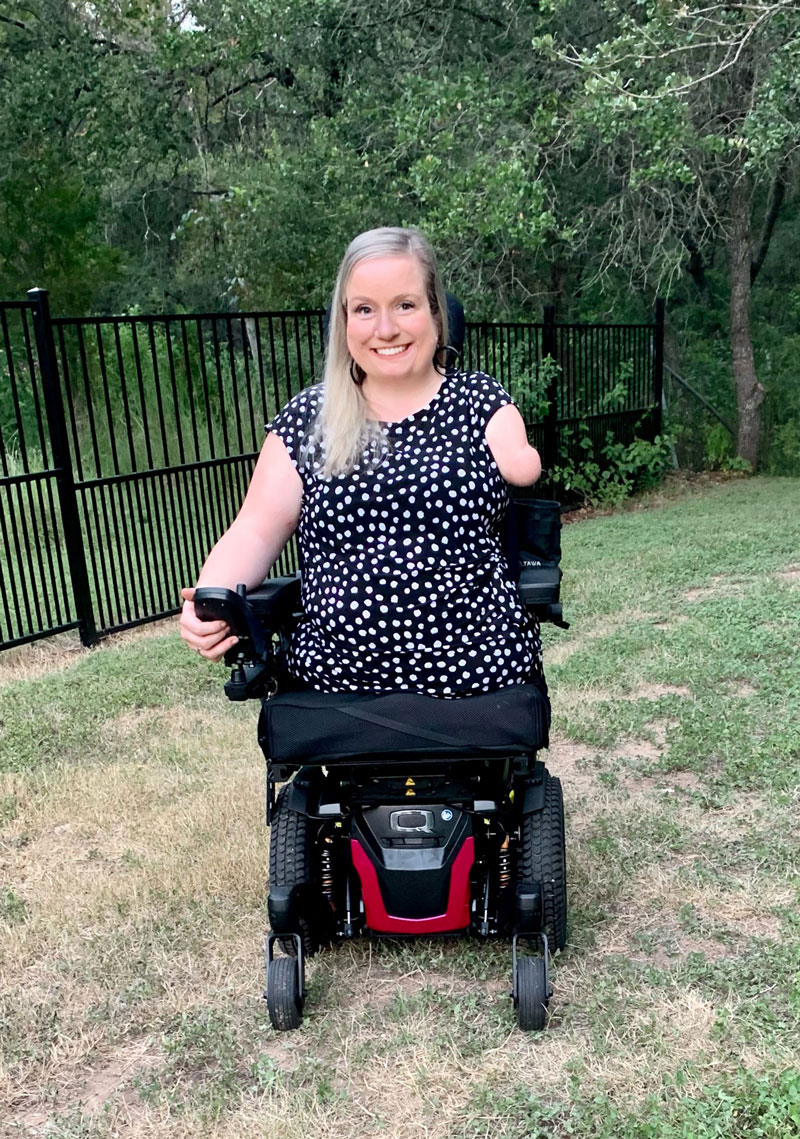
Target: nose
387, 325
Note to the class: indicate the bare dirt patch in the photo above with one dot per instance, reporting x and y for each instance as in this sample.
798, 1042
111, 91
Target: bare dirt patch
656, 691
580, 769
720, 586
664, 915
637, 749
91, 1089
668, 782
118, 1071
572, 764
791, 575
740, 688
665, 626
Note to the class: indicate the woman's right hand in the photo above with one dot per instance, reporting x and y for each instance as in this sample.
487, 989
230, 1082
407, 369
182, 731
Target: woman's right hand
211, 639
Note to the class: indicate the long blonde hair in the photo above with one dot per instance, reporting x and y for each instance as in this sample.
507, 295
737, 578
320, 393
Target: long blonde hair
343, 424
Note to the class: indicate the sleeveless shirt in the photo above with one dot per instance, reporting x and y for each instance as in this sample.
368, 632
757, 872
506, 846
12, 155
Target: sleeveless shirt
404, 582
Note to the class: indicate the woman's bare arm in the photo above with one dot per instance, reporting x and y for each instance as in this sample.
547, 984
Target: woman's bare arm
250, 546
517, 461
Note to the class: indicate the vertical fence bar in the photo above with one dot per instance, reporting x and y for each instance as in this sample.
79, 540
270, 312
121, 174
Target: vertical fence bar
550, 439
259, 362
658, 366
248, 384
55, 544
62, 462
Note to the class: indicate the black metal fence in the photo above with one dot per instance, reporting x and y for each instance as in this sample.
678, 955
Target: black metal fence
126, 443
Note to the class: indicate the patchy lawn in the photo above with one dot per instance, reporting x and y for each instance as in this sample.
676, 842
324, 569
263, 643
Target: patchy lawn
133, 858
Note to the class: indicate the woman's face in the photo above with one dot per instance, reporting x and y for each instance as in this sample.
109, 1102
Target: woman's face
391, 333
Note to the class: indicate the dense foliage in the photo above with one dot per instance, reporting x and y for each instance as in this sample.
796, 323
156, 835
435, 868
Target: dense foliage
167, 155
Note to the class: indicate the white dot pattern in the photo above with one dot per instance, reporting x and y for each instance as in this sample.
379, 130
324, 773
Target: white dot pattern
405, 587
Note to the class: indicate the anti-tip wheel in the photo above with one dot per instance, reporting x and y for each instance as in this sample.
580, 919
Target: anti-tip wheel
284, 999
532, 995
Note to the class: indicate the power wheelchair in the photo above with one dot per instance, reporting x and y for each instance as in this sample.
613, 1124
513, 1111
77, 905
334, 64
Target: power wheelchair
402, 814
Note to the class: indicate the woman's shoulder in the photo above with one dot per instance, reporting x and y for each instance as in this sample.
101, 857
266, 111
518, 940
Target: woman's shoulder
480, 388
307, 399
300, 410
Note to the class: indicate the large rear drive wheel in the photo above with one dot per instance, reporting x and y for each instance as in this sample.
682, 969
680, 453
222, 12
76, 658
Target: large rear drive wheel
292, 863
542, 858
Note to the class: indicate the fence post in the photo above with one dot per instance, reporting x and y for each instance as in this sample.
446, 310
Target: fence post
550, 447
658, 367
62, 464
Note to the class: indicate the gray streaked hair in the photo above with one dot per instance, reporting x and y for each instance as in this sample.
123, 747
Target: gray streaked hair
343, 425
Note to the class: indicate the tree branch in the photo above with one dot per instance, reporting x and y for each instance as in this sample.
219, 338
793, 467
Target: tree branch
480, 16
267, 79
696, 265
15, 23
777, 192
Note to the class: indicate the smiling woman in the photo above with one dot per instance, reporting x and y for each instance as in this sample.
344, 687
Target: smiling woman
393, 471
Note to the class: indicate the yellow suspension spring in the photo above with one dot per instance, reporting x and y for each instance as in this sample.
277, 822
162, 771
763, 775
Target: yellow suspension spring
326, 867
504, 865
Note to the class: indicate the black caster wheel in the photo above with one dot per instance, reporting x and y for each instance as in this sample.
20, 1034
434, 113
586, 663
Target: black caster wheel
531, 993
284, 998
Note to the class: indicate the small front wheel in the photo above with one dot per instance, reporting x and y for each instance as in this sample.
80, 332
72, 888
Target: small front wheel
531, 993
284, 998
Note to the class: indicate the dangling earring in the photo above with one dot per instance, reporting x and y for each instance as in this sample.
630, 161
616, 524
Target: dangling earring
451, 361
357, 374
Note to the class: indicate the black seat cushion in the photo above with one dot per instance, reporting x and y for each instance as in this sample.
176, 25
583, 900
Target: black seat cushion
320, 726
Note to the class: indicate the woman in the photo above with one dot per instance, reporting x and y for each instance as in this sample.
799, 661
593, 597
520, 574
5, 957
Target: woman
392, 471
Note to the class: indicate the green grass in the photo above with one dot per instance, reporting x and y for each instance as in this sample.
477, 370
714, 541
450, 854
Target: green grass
133, 849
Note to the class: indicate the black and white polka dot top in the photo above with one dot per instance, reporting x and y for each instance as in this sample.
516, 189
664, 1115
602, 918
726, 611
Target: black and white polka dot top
405, 586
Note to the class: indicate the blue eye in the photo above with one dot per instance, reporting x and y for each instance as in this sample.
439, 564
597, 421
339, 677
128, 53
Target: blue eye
362, 310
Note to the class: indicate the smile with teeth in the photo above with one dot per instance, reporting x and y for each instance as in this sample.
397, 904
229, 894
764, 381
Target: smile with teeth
391, 351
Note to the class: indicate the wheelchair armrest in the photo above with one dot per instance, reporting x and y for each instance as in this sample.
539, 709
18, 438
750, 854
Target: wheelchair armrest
532, 529
540, 588
275, 600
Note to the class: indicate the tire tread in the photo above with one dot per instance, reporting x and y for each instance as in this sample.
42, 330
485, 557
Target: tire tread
284, 1001
290, 864
542, 859
532, 994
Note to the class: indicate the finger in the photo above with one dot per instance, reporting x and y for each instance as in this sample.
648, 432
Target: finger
211, 640
217, 652
187, 594
206, 628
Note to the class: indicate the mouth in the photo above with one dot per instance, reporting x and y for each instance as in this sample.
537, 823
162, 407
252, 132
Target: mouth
398, 350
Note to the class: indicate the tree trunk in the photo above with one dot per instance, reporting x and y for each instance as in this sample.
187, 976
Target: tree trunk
749, 392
